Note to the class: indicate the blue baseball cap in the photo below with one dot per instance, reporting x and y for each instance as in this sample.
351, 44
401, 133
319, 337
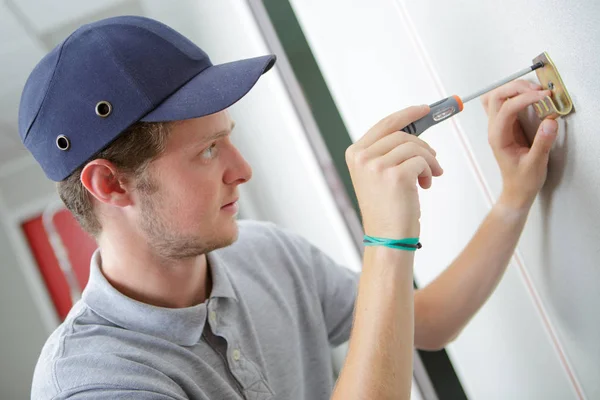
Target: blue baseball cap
112, 73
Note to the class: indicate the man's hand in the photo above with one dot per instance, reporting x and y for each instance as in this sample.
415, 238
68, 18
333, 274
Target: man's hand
523, 167
385, 165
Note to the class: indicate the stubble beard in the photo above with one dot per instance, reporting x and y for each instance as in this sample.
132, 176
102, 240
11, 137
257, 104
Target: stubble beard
164, 239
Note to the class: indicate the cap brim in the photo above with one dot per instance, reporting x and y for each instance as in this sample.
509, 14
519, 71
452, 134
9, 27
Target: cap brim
212, 90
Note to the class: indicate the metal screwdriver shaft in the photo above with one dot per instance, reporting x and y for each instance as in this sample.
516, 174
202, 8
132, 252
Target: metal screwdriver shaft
504, 81
446, 108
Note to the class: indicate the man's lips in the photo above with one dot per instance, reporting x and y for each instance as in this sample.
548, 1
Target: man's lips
231, 203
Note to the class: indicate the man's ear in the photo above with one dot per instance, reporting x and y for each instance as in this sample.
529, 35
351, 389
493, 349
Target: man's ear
101, 178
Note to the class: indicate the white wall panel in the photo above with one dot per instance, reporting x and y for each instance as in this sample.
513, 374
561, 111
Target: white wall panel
505, 351
373, 65
559, 247
381, 76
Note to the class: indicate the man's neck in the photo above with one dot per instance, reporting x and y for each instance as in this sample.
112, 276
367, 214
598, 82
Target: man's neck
143, 276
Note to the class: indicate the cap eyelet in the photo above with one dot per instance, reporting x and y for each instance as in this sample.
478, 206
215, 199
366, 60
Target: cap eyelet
103, 109
63, 142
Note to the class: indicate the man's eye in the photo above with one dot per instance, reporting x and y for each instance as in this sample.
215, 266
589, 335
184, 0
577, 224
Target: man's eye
210, 152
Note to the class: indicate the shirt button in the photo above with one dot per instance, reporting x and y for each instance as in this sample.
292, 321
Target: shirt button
212, 316
236, 355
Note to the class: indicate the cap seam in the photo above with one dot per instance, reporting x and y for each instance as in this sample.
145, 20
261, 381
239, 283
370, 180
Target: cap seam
131, 76
154, 106
119, 65
50, 84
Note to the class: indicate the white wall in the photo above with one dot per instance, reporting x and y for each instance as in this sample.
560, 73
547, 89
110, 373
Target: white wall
23, 332
560, 245
537, 336
25, 310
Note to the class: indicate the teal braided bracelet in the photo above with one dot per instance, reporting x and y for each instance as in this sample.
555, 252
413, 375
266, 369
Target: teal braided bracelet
408, 244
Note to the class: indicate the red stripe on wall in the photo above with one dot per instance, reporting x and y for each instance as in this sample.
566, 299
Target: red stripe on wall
79, 246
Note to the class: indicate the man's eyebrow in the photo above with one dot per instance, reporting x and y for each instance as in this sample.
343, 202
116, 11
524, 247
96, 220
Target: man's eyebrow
220, 134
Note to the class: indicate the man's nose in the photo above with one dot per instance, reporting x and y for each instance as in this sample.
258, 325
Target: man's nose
239, 171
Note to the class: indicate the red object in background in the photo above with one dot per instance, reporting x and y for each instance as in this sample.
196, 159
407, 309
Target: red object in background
79, 246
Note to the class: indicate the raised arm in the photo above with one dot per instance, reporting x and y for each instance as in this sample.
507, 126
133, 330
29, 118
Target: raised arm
445, 306
385, 165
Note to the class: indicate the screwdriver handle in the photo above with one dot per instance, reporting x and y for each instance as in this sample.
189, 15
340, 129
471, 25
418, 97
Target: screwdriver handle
440, 111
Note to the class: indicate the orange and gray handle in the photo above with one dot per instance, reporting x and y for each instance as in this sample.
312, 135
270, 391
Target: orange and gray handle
440, 111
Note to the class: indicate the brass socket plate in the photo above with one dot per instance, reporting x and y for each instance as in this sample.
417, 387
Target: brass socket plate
559, 103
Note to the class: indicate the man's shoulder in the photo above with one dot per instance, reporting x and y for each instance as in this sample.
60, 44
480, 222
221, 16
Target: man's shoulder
45, 384
80, 351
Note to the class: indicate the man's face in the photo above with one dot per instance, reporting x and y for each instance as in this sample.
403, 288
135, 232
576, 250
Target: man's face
188, 196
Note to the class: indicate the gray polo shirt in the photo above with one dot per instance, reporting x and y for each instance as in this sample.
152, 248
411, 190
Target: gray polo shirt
276, 306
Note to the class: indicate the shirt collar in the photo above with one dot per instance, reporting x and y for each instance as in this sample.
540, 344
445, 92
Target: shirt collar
182, 326
221, 281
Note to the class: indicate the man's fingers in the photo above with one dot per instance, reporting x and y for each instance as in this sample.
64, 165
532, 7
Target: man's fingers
417, 167
517, 104
507, 116
407, 151
392, 123
393, 140
543, 141
497, 97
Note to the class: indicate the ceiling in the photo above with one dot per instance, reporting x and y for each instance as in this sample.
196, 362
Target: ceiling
31, 28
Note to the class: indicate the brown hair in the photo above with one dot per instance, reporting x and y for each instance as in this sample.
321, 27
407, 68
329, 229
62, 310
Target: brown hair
131, 153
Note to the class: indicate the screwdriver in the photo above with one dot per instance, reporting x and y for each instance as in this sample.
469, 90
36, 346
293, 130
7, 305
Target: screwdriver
445, 108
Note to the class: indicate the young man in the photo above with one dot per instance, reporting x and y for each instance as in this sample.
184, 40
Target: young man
129, 117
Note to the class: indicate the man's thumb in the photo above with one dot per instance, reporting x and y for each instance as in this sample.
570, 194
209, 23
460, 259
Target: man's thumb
544, 139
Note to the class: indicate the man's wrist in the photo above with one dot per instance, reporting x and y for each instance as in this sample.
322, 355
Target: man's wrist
514, 205
383, 259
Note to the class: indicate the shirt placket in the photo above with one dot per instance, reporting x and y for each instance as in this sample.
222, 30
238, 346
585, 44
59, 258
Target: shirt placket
241, 367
